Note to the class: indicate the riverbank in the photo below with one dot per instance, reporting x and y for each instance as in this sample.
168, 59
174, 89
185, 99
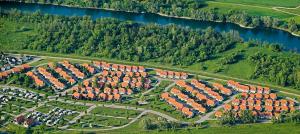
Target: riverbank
160, 14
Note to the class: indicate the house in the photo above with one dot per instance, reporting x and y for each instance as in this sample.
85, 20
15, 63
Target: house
29, 122
273, 96
227, 107
19, 120
76, 95
218, 114
187, 112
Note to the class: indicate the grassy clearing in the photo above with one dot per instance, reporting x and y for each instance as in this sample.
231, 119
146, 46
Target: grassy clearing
249, 9
268, 3
295, 11
13, 35
115, 112
73, 107
45, 109
47, 60
22, 103
86, 120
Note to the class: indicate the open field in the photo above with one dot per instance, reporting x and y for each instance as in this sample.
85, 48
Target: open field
114, 112
292, 10
269, 3
249, 9
265, 128
13, 35
68, 106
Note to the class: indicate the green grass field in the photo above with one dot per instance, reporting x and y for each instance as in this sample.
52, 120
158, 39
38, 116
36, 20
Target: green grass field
269, 3
249, 9
115, 112
295, 11
13, 35
74, 107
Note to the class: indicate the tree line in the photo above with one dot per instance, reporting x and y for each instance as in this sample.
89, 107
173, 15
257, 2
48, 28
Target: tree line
174, 45
182, 8
282, 70
124, 40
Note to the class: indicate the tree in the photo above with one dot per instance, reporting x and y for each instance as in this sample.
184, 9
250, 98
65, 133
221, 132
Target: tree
247, 117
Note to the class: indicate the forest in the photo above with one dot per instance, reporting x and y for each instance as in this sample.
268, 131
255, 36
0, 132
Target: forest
182, 8
129, 41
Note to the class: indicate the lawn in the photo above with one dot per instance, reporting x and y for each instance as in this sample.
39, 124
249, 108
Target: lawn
86, 120
252, 10
22, 103
45, 109
68, 106
12, 109
45, 61
115, 112
268, 3
295, 11
13, 35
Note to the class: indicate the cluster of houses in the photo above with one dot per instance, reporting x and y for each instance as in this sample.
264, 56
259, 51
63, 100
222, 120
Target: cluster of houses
112, 83
52, 118
17, 92
264, 106
26, 122
171, 74
73, 70
195, 97
9, 62
65, 70
14, 70
118, 67
261, 102
50, 78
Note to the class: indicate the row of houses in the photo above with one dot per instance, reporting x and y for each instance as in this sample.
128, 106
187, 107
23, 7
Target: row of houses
178, 105
38, 82
199, 95
53, 81
171, 74
94, 96
207, 90
65, 75
248, 88
16, 69
118, 67
191, 102
75, 71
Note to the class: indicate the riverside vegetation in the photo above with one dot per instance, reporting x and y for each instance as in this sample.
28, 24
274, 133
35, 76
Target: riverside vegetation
169, 45
199, 10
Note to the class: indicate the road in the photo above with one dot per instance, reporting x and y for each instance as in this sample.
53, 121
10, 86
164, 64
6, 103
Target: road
208, 115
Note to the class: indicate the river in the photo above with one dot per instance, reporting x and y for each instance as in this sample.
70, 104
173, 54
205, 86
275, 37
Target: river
263, 34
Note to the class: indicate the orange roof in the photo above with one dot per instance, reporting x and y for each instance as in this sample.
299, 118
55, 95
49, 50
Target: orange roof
218, 114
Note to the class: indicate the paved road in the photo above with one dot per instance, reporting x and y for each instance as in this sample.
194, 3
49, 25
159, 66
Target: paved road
169, 86
153, 88
208, 115
82, 114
